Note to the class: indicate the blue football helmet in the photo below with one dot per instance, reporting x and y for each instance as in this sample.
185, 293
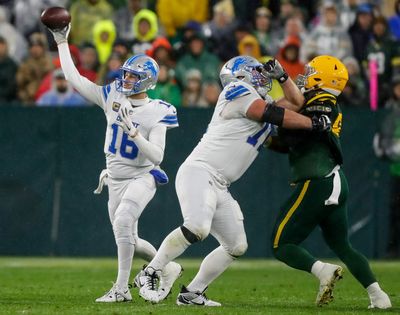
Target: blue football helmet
144, 68
247, 69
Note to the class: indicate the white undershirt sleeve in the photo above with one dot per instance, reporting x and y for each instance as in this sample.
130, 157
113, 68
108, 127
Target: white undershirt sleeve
153, 148
85, 87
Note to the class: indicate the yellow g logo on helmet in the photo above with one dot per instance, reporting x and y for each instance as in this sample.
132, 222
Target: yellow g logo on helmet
327, 73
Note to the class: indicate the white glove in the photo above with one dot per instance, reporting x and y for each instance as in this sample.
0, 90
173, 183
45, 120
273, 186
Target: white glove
126, 122
377, 147
61, 36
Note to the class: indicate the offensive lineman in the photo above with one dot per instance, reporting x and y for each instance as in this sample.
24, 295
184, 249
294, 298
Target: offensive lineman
239, 126
321, 191
134, 147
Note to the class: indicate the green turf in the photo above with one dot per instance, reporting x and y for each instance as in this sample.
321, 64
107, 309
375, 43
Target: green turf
69, 286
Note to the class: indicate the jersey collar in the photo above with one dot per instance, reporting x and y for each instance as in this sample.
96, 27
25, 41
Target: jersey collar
139, 102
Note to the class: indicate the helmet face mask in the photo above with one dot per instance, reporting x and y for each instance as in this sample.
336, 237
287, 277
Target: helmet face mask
247, 69
324, 72
137, 75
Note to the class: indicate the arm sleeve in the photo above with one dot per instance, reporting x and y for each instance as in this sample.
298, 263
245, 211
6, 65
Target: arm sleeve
153, 148
85, 87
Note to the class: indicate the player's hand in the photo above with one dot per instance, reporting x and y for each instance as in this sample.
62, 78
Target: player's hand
275, 70
126, 122
61, 36
321, 123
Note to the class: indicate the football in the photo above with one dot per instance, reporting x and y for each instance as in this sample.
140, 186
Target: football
55, 18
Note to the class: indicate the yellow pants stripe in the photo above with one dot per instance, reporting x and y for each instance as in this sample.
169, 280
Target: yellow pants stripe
290, 213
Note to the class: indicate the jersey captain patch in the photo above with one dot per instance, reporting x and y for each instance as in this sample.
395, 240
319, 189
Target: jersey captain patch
116, 106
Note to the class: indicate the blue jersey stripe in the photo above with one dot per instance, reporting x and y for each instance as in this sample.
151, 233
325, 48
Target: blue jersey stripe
105, 94
235, 92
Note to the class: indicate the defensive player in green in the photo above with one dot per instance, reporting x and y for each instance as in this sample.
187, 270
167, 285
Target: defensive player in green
320, 190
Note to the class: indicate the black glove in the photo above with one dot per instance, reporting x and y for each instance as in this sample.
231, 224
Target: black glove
275, 70
321, 123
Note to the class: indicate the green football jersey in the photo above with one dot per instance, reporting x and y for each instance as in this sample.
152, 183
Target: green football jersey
315, 154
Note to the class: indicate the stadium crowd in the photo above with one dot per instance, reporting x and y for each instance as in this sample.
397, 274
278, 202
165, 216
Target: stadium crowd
191, 40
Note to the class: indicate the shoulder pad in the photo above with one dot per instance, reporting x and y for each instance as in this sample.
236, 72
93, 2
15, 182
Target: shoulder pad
234, 91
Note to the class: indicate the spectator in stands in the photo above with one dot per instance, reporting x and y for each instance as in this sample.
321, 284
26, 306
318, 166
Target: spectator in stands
249, 46
294, 26
123, 19
121, 47
110, 70
145, 29
27, 13
289, 57
17, 44
353, 94
222, 25
180, 45
387, 146
229, 48
161, 51
104, 34
198, 58
47, 82
394, 21
34, 68
8, 69
328, 37
61, 94
174, 15
193, 94
386, 52
266, 36
361, 31
348, 10
89, 62
166, 89
85, 14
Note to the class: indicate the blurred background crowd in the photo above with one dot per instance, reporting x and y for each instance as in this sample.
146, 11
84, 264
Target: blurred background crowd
191, 39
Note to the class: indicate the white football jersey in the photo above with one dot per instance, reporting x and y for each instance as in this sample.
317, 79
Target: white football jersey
124, 160
232, 141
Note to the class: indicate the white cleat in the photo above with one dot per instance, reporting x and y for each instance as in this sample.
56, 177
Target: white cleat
149, 281
186, 297
379, 299
329, 275
138, 282
170, 273
116, 294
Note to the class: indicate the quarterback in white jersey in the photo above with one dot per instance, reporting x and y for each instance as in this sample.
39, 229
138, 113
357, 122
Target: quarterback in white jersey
134, 148
240, 125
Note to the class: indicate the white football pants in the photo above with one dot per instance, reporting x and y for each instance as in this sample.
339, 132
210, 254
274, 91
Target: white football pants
208, 208
127, 200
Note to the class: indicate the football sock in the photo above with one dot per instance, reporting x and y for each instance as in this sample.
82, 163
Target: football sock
211, 267
125, 255
372, 288
172, 246
145, 250
316, 268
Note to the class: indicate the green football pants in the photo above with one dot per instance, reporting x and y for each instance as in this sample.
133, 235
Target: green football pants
322, 202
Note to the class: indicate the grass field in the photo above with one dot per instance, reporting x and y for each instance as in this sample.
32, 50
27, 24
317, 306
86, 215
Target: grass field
69, 286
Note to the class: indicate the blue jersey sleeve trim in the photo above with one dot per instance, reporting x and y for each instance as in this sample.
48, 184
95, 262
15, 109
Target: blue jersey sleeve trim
106, 90
235, 92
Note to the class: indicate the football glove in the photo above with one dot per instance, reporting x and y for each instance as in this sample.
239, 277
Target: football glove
321, 123
275, 70
61, 36
126, 122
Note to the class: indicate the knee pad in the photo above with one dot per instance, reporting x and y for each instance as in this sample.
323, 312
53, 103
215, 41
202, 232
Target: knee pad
123, 225
238, 250
189, 235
